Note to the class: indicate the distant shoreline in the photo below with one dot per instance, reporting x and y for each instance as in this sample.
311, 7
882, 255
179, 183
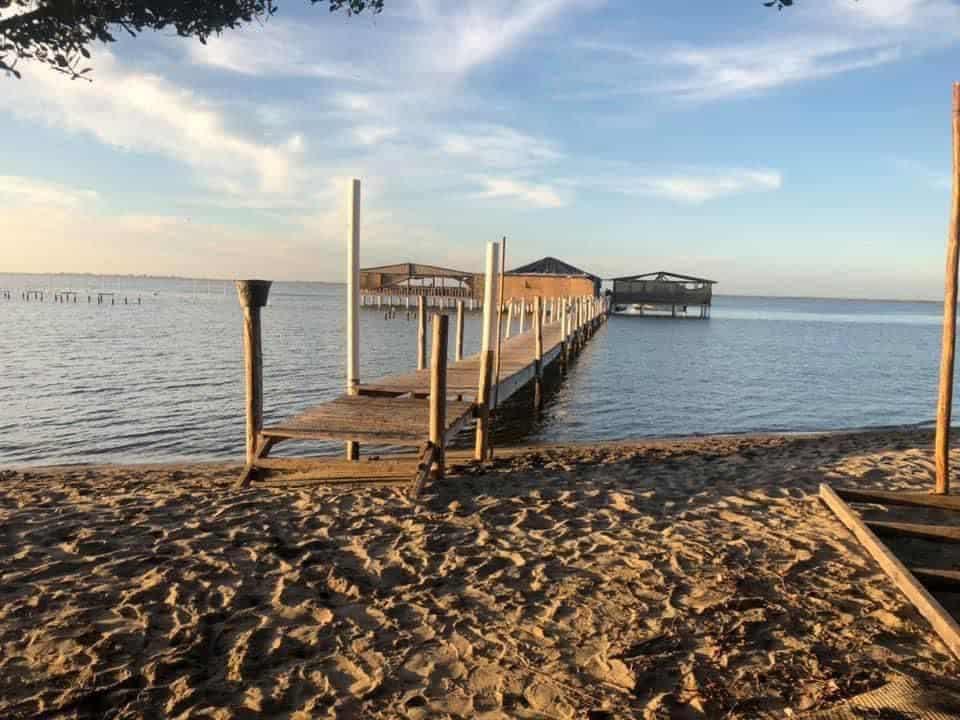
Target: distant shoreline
933, 301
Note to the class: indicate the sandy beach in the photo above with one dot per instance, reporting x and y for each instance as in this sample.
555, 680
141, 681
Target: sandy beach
662, 579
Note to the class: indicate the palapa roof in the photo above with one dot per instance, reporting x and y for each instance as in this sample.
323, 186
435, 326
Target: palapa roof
417, 270
550, 266
664, 276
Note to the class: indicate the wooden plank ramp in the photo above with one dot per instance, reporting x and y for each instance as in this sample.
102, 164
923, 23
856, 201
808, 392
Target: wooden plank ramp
943, 623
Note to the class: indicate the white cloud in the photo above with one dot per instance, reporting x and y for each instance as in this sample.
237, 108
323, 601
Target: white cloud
372, 134
479, 31
499, 147
527, 194
272, 48
842, 37
29, 192
143, 112
899, 13
713, 73
701, 188
693, 187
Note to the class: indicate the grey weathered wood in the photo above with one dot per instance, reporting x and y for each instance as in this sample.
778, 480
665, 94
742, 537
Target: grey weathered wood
538, 351
458, 341
908, 499
948, 347
438, 391
937, 578
924, 531
943, 623
483, 406
421, 333
253, 295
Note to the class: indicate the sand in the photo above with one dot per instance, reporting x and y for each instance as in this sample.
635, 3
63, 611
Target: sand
683, 579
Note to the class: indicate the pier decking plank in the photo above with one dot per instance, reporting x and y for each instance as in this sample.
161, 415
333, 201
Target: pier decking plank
394, 410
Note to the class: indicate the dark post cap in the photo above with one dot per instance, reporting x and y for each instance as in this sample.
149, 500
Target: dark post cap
253, 293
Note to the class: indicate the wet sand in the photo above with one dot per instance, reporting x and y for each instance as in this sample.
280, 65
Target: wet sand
667, 579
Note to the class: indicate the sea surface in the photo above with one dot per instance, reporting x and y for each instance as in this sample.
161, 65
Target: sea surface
161, 379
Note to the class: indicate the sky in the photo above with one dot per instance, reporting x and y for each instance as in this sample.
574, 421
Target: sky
804, 152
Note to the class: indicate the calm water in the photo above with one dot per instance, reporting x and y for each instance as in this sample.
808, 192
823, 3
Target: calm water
162, 380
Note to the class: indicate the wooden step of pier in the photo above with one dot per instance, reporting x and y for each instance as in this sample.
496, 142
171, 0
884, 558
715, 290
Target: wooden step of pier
369, 420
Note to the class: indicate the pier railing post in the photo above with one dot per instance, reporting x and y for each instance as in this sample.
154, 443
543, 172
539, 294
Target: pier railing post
945, 399
421, 333
458, 340
253, 295
438, 392
523, 314
509, 329
538, 351
352, 449
491, 318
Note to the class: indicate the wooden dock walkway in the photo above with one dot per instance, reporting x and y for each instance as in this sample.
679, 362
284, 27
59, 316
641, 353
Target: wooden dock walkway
394, 410
423, 408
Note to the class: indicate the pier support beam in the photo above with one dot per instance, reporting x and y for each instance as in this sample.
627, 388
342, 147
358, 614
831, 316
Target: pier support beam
253, 295
421, 333
945, 400
491, 316
438, 393
352, 449
538, 352
458, 340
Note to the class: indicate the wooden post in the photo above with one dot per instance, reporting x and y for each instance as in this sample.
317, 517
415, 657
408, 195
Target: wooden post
538, 351
490, 317
421, 333
945, 401
253, 296
438, 391
509, 319
496, 350
352, 449
458, 341
523, 314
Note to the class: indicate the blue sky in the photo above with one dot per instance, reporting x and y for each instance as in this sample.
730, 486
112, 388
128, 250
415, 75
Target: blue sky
798, 152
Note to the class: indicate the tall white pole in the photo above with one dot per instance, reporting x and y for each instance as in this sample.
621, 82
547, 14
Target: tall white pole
353, 290
353, 304
490, 297
487, 343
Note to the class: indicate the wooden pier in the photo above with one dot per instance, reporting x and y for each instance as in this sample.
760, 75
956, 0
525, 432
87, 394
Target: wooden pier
423, 408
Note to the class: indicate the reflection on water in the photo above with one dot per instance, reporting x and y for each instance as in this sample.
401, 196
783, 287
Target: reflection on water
162, 380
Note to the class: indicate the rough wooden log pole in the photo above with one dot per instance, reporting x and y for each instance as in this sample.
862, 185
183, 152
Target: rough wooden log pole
352, 449
421, 333
490, 316
438, 392
538, 352
458, 341
945, 401
253, 296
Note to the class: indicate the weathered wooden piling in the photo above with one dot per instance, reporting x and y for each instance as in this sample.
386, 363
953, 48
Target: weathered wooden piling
509, 329
421, 333
538, 353
438, 393
458, 340
491, 305
352, 449
253, 295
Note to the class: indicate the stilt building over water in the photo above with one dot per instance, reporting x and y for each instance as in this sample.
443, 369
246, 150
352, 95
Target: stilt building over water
549, 277
396, 284
662, 293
